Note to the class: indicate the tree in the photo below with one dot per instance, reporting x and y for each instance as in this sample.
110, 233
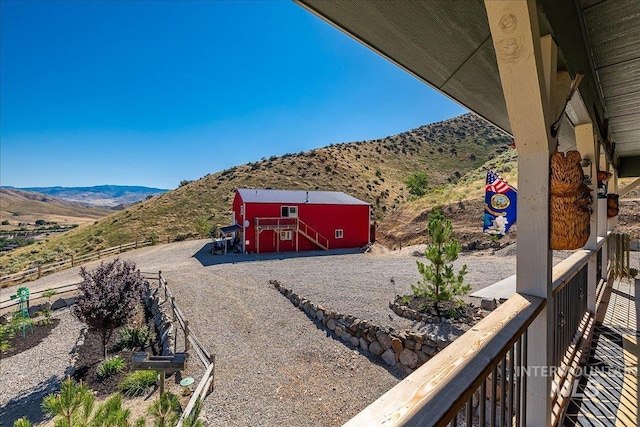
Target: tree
72, 406
109, 294
203, 227
165, 410
417, 184
439, 282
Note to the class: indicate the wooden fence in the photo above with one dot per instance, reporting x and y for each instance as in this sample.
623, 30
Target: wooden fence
7, 305
41, 270
191, 341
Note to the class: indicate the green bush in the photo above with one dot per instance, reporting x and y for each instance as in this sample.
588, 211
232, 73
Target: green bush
132, 338
111, 366
138, 383
6, 333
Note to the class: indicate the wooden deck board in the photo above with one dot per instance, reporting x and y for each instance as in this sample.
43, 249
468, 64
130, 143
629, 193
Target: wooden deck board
607, 394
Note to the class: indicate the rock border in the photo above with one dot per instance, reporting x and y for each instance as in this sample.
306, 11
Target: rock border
406, 350
163, 320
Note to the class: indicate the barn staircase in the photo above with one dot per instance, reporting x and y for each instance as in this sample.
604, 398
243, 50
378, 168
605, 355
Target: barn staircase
313, 235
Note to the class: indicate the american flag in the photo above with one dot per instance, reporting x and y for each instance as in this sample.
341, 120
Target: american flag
495, 183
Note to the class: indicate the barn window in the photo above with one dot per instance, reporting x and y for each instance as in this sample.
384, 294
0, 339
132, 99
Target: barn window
285, 235
339, 233
289, 211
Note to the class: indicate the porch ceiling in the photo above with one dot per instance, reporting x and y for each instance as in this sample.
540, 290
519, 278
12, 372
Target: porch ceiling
447, 44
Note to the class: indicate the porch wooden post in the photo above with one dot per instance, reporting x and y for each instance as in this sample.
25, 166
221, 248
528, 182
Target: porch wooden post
522, 66
585, 141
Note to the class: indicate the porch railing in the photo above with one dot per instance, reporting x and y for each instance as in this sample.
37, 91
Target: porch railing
481, 378
294, 224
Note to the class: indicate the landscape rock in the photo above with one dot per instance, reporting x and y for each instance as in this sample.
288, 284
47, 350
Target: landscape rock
409, 358
364, 344
385, 341
58, 304
338, 331
488, 304
354, 341
389, 357
331, 324
397, 345
375, 348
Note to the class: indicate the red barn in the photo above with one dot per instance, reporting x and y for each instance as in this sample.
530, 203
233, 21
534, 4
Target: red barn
286, 220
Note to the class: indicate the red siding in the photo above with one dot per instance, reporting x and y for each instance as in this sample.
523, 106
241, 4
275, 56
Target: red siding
325, 219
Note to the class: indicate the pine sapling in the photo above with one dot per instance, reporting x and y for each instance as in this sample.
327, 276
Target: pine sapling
439, 281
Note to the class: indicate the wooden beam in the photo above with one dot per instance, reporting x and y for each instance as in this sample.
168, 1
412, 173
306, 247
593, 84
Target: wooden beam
629, 187
437, 389
523, 67
586, 144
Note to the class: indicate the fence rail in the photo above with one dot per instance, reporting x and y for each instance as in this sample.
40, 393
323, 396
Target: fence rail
191, 341
41, 270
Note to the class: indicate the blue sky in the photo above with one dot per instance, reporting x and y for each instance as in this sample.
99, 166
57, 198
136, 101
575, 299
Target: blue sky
154, 92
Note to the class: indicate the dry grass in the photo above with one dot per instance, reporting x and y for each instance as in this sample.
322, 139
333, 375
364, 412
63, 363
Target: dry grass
374, 171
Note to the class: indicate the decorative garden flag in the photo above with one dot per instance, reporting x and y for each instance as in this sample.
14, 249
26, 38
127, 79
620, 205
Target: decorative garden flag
499, 205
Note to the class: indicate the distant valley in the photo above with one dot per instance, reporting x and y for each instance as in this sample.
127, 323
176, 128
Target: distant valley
19, 208
103, 196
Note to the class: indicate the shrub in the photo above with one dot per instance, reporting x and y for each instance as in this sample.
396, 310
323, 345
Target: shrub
138, 383
6, 333
110, 366
109, 294
131, 338
153, 237
417, 184
22, 422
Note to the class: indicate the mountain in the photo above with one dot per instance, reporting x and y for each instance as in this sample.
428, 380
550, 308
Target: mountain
374, 171
17, 206
101, 195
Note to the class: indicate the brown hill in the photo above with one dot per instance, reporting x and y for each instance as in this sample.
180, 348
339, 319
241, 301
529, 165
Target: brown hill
18, 206
374, 171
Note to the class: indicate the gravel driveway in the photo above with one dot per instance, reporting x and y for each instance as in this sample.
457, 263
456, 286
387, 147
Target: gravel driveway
273, 365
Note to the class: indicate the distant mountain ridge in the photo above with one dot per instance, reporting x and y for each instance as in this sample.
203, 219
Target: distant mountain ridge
105, 196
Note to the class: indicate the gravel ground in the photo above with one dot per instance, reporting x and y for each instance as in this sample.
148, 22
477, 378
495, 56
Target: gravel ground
273, 365
29, 376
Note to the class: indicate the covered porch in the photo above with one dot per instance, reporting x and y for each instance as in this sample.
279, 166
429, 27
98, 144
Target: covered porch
558, 76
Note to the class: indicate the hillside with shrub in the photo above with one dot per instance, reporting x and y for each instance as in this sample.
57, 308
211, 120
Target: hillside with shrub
375, 171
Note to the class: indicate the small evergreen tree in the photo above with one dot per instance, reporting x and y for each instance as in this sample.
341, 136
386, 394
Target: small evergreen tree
109, 295
439, 281
165, 410
72, 406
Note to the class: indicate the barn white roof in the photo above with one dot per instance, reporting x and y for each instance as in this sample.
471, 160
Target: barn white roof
249, 195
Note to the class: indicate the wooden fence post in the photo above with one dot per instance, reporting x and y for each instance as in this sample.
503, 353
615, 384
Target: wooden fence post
120, 250
99, 253
212, 359
136, 244
186, 336
39, 271
72, 261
